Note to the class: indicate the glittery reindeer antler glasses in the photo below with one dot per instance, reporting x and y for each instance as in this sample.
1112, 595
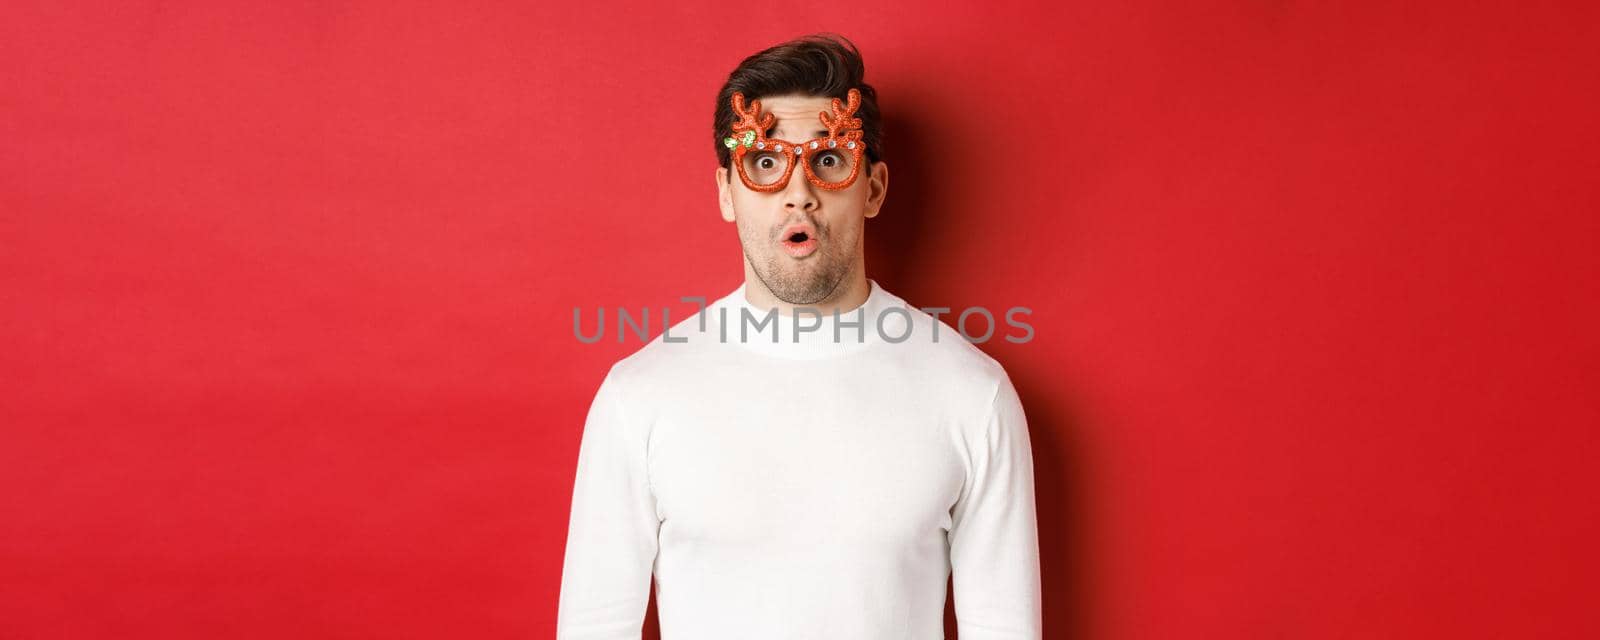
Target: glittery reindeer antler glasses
764, 164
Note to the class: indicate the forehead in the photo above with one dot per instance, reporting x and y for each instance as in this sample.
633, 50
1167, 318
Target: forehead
796, 115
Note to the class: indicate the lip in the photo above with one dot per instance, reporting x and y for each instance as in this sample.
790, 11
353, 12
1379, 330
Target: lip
799, 249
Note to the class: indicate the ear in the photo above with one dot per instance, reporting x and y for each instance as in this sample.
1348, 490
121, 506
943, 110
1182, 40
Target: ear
725, 193
877, 188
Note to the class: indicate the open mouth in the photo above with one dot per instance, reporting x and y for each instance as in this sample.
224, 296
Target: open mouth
799, 240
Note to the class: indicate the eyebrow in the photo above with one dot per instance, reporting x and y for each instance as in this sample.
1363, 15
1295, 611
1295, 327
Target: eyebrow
820, 133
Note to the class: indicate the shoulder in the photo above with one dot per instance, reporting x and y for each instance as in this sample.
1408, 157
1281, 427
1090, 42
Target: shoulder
684, 348
940, 341
941, 357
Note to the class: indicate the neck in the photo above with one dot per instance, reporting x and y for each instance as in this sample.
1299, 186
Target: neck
852, 292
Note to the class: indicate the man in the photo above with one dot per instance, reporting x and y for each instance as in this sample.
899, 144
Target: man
809, 457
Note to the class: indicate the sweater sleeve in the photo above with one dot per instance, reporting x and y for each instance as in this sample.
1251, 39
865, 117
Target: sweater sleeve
611, 537
994, 539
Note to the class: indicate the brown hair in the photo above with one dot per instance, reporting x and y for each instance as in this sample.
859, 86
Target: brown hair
824, 65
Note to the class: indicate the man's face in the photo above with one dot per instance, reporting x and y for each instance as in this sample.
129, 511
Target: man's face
808, 271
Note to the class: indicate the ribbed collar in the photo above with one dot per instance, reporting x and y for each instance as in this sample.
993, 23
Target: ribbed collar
807, 344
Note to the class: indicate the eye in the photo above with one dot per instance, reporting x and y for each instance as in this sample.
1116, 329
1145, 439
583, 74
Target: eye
828, 160
765, 165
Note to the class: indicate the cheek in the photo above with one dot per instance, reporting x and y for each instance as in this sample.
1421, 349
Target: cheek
844, 222
746, 201
849, 201
752, 210
751, 218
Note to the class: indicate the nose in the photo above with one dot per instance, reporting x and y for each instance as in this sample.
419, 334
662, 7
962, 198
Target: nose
799, 195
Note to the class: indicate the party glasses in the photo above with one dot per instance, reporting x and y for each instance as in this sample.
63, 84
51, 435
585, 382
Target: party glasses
764, 164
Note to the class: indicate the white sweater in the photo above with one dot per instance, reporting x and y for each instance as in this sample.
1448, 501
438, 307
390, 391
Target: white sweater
814, 490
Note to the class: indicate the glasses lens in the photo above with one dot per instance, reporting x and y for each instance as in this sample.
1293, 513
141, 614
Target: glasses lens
765, 167
832, 165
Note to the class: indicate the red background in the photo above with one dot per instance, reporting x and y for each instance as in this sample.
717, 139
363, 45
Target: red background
288, 286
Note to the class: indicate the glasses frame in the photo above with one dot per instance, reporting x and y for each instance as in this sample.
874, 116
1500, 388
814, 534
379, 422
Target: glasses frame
844, 135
